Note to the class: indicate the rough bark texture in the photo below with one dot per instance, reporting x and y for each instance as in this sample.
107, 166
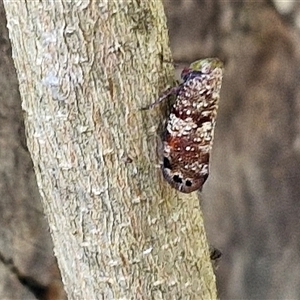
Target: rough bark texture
28, 269
251, 199
85, 70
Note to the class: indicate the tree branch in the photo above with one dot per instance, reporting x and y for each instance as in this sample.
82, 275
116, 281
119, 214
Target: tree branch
85, 71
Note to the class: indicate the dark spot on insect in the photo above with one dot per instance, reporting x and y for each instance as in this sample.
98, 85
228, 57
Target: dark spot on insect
167, 164
202, 120
188, 183
176, 178
182, 114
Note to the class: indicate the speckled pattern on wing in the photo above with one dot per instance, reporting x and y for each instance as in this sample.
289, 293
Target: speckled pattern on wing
188, 137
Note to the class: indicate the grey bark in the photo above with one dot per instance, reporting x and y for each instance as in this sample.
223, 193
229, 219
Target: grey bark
85, 70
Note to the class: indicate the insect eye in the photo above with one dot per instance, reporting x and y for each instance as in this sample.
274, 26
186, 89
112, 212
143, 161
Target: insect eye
188, 183
176, 178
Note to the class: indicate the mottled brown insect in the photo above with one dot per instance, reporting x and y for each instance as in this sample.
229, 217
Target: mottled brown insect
188, 137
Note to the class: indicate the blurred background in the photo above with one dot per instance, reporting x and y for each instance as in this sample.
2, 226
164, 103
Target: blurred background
251, 199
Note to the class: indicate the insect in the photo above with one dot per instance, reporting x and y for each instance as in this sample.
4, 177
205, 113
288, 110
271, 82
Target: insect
188, 136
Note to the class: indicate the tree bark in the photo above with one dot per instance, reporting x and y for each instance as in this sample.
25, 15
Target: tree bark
28, 268
85, 70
